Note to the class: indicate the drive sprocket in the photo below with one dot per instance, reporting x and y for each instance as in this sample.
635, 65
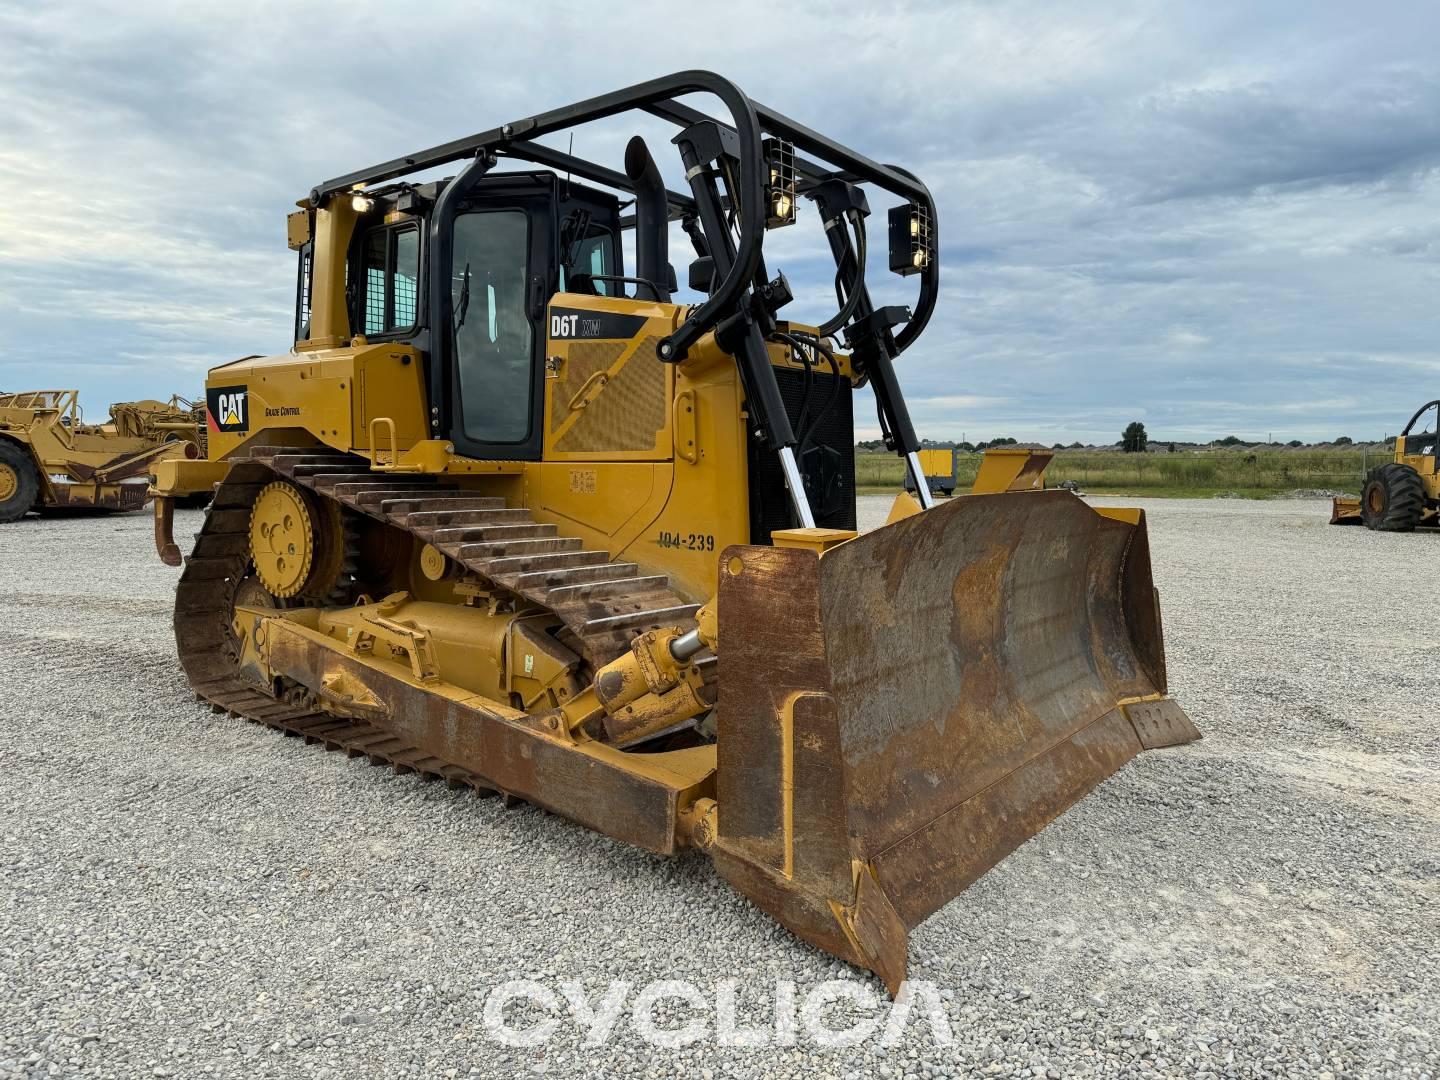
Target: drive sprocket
297, 542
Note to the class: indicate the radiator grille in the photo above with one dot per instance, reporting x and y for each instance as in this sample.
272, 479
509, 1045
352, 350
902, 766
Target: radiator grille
828, 462
627, 415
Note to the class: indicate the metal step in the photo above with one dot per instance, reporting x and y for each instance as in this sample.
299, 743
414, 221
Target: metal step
490, 551
520, 564
312, 473
395, 489
604, 590
446, 501
459, 534
286, 458
549, 579
641, 620
426, 520
377, 495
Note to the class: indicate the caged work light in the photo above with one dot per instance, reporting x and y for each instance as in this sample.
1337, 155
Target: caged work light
911, 246
780, 190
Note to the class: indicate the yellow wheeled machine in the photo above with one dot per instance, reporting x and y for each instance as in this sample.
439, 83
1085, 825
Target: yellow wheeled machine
510, 514
51, 459
939, 467
1404, 493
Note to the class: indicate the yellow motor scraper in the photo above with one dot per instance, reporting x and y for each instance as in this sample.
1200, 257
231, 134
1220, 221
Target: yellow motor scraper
51, 460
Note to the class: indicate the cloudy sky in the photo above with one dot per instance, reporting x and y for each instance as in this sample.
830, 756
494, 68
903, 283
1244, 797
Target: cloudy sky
1213, 217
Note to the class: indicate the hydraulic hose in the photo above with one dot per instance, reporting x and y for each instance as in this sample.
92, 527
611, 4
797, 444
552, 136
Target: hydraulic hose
851, 295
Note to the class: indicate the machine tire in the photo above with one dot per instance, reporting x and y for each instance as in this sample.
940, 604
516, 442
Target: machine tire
1393, 499
21, 482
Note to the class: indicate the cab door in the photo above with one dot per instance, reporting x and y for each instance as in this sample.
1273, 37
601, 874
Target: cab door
488, 339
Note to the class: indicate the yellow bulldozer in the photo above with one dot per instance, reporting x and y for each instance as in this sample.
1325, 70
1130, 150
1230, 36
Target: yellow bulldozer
1403, 493
511, 515
50, 459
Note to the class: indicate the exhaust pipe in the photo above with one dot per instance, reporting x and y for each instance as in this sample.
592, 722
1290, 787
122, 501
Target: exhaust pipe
652, 218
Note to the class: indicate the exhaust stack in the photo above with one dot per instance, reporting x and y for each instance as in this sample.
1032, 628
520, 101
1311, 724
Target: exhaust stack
652, 218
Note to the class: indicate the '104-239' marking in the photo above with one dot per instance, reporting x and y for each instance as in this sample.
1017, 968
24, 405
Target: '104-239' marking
688, 541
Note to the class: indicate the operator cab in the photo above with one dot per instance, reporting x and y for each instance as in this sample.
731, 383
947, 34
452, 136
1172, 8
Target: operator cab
516, 240
1422, 443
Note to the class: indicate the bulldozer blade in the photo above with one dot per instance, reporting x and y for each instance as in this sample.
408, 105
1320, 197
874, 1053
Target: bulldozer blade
899, 714
93, 495
1345, 511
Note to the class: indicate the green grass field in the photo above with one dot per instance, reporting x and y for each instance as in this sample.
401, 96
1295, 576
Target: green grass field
1247, 473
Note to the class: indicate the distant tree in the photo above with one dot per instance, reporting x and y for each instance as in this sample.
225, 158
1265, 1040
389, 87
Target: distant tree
1058, 446
1344, 440
1077, 445
1228, 440
1172, 448
870, 444
1294, 442
1389, 442
1133, 440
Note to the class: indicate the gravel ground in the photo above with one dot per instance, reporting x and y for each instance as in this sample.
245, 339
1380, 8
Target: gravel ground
182, 894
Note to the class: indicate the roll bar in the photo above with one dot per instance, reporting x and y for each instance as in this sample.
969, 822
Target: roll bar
749, 122
1419, 413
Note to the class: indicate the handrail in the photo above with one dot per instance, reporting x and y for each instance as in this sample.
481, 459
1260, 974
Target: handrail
375, 453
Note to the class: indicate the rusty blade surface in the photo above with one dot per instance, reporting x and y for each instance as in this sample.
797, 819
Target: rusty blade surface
899, 715
1002, 633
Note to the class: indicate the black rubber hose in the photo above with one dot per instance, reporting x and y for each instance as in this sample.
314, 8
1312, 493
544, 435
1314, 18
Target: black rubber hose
794, 343
857, 283
824, 350
803, 343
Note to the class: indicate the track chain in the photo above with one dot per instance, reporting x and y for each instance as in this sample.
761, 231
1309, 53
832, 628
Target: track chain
604, 604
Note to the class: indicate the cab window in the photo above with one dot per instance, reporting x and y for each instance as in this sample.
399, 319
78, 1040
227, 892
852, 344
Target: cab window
1422, 437
593, 256
390, 268
494, 339
302, 293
